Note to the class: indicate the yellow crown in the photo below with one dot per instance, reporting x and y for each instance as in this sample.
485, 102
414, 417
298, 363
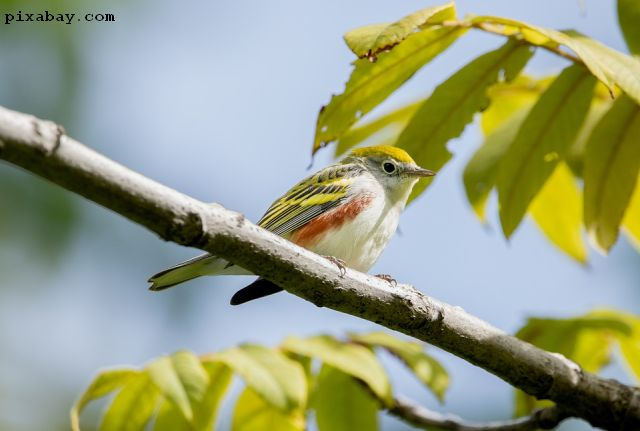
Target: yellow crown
383, 150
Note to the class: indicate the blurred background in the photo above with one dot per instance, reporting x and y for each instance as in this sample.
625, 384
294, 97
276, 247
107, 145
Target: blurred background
219, 100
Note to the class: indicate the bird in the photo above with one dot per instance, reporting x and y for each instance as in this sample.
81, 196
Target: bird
346, 212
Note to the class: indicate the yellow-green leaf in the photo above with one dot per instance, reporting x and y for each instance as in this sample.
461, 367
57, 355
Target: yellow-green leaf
611, 164
550, 38
219, 380
586, 340
270, 373
452, 105
566, 336
170, 418
353, 359
629, 17
575, 154
384, 129
133, 406
371, 83
254, 413
630, 347
370, 40
412, 353
525, 404
342, 403
482, 170
541, 142
205, 404
622, 69
166, 378
103, 384
192, 374
629, 341
562, 227
510, 97
631, 220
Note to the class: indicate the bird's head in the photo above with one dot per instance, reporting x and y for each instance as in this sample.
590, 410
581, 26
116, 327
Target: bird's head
392, 167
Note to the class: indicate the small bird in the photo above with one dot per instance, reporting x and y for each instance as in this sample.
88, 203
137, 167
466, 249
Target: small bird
346, 212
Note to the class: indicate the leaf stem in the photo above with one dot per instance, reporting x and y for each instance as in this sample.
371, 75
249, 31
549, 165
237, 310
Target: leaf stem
499, 30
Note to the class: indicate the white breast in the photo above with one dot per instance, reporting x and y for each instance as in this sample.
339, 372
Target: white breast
360, 242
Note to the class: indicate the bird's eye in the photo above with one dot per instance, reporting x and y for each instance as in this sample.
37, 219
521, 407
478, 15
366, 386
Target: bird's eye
389, 167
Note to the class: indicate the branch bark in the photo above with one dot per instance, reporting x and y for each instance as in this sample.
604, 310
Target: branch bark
409, 411
42, 147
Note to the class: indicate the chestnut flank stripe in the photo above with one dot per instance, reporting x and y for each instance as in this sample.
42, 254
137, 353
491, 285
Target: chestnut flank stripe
311, 232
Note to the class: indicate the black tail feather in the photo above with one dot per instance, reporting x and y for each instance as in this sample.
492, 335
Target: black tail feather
255, 290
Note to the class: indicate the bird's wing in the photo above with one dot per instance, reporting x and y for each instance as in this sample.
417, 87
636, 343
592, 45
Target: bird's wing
310, 198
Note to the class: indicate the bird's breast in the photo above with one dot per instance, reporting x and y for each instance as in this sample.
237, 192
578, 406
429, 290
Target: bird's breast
333, 220
355, 232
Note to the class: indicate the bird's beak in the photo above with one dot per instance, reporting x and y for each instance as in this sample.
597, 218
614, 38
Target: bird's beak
417, 171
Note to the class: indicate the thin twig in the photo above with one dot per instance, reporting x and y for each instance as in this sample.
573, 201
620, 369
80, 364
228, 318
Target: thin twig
421, 417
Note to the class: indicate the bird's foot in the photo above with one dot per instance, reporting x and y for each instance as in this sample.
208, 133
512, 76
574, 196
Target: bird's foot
389, 279
342, 267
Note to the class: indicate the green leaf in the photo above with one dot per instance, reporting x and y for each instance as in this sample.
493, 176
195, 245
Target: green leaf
541, 142
270, 373
606, 64
586, 340
383, 129
370, 40
552, 39
254, 413
525, 404
104, 383
452, 105
342, 403
611, 164
575, 154
630, 347
219, 380
631, 221
482, 170
170, 418
167, 373
629, 17
188, 386
132, 408
510, 97
562, 227
629, 340
424, 366
622, 69
353, 359
192, 375
574, 337
372, 82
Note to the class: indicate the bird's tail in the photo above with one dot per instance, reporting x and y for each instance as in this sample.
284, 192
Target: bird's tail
205, 264
258, 289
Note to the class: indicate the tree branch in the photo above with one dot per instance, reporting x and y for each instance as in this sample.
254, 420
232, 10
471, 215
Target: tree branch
42, 148
409, 411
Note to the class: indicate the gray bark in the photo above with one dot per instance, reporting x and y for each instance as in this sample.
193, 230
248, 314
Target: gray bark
547, 418
42, 147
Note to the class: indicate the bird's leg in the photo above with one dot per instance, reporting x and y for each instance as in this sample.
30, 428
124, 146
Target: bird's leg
339, 263
386, 277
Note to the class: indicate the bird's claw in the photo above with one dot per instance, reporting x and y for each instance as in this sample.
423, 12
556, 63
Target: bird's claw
389, 279
342, 267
